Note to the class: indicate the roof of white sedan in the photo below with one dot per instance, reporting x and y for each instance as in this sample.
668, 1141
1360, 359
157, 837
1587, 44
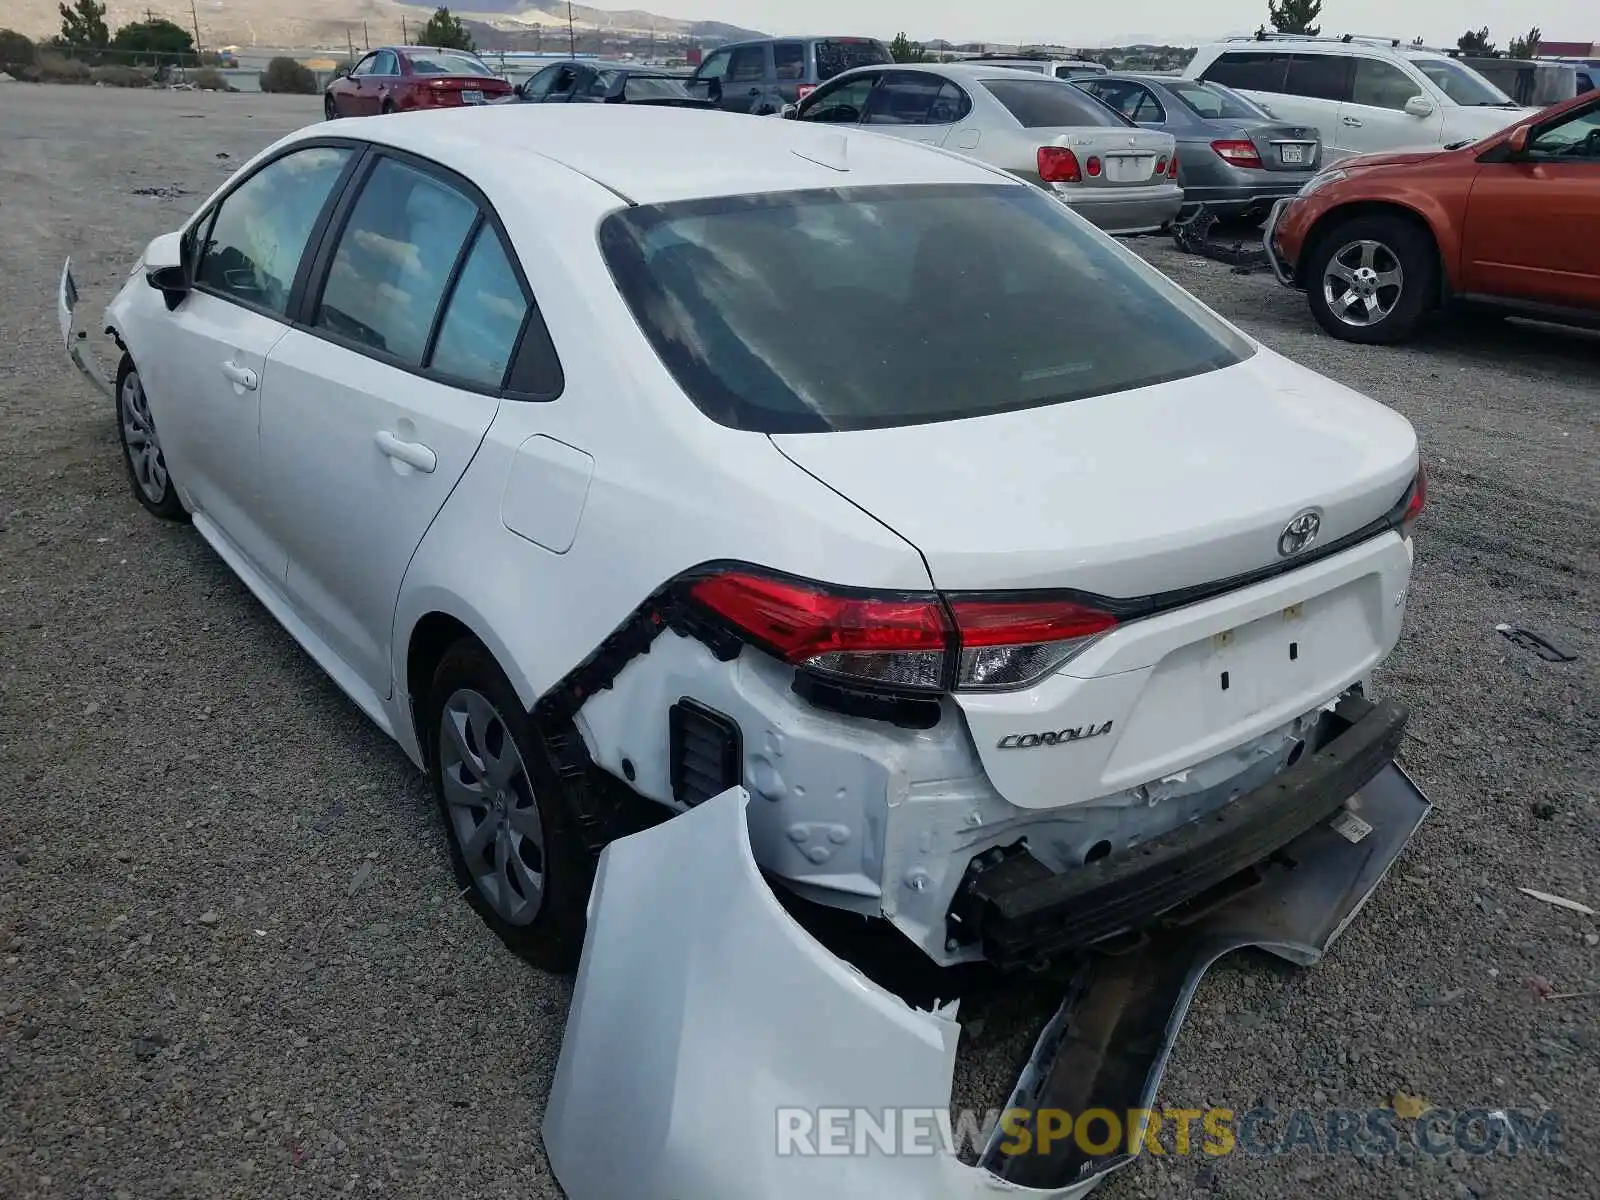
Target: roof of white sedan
652, 155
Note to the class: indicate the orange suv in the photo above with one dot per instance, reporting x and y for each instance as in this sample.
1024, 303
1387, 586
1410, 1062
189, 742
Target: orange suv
1510, 224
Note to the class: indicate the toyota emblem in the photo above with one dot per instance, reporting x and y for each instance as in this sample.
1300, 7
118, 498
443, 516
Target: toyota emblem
1300, 533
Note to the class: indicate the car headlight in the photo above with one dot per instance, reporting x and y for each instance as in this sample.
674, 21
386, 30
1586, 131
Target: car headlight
1321, 180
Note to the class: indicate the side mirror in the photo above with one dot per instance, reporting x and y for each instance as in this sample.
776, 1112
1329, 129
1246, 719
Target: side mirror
1420, 107
790, 112
165, 268
1517, 143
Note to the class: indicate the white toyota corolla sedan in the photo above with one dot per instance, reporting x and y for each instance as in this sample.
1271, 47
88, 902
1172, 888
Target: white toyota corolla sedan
921, 553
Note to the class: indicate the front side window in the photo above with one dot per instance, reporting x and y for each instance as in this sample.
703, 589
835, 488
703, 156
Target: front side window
364, 67
749, 65
261, 229
385, 63
393, 261
1049, 104
921, 303
539, 86
484, 316
1576, 138
841, 105
565, 81
714, 67
1249, 70
1380, 84
1462, 84
443, 62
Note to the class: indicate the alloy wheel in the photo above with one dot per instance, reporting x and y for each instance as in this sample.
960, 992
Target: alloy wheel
1363, 282
139, 432
493, 811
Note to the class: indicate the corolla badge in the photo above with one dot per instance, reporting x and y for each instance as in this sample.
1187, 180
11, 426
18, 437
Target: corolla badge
1300, 533
1053, 737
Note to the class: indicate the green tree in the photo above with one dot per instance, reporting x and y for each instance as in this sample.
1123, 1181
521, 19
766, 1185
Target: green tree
1475, 43
83, 26
1526, 47
446, 32
904, 50
1295, 16
156, 41
17, 52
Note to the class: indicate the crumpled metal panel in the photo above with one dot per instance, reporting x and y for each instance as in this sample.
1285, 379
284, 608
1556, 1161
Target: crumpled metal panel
702, 1009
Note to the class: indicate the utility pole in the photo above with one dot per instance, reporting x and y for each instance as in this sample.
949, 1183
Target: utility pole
350, 42
195, 17
405, 31
572, 36
365, 40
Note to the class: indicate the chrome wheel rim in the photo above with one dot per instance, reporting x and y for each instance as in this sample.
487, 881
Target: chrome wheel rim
139, 435
1363, 283
493, 812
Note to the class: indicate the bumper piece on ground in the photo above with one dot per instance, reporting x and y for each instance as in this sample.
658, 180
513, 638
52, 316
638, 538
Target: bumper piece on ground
1023, 913
1269, 241
710, 1036
77, 341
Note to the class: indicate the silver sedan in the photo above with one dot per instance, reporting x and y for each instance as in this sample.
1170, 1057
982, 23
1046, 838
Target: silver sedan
1120, 177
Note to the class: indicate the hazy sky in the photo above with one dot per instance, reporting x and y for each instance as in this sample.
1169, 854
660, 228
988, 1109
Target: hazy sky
1173, 20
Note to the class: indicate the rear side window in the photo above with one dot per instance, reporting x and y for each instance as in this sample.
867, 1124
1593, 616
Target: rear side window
1048, 104
789, 60
1380, 84
1213, 101
393, 261
484, 316
253, 250
922, 304
916, 99
1319, 76
1249, 70
844, 54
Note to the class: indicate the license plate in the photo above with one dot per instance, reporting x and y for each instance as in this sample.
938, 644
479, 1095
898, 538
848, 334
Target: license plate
1292, 154
477, 98
1129, 168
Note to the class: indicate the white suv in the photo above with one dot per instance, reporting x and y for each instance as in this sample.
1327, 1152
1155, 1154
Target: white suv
1364, 95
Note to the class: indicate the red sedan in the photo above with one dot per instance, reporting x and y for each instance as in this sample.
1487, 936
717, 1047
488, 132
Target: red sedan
401, 78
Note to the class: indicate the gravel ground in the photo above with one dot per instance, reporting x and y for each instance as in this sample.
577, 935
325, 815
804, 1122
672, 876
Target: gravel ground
232, 962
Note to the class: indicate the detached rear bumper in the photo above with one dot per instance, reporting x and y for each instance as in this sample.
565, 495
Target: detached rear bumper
1022, 912
717, 1050
1281, 267
76, 340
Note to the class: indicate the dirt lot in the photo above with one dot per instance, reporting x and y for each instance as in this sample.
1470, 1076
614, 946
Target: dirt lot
232, 961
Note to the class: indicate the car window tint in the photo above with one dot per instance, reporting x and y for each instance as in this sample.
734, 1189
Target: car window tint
484, 316
789, 60
600, 83
949, 106
1318, 77
364, 67
714, 67
921, 303
539, 85
749, 65
654, 87
261, 229
1050, 104
393, 261
1577, 139
1118, 93
835, 55
1380, 84
841, 105
1148, 108
1249, 70
1213, 100
903, 99
385, 63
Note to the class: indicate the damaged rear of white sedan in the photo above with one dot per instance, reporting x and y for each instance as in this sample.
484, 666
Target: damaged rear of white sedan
822, 581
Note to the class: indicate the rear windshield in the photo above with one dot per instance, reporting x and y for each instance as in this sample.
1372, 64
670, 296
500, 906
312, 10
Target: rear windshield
444, 63
1050, 104
863, 308
1215, 102
844, 54
654, 87
1462, 84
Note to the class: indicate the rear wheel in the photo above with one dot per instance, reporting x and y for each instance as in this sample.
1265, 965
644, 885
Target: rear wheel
513, 838
1372, 279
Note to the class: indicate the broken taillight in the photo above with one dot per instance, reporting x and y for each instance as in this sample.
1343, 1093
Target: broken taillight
903, 641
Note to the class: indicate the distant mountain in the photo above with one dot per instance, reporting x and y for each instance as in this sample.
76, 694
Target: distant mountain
508, 15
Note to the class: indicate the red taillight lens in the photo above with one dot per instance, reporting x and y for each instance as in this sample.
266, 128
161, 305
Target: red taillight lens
1161, 166
1057, 164
806, 89
916, 641
1092, 166
1239, 153
1415, 502
1172, 167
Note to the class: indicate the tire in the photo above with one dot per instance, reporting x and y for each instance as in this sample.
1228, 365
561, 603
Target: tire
524, 829
387, 107
1388, 264
142, 457
330, 108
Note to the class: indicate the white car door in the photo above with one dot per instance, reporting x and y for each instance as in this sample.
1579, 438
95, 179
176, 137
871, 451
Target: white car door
206, 374
379, 400
1375, 119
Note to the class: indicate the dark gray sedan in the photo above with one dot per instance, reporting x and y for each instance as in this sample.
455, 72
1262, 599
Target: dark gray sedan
1233, 155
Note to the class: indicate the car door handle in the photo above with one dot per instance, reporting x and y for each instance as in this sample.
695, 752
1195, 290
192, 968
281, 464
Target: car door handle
240, 376
1353, 122
413, 454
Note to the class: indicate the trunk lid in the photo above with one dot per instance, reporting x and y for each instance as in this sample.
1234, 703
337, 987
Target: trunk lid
1128, 494
1283, 147
464, 89
1128, 157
